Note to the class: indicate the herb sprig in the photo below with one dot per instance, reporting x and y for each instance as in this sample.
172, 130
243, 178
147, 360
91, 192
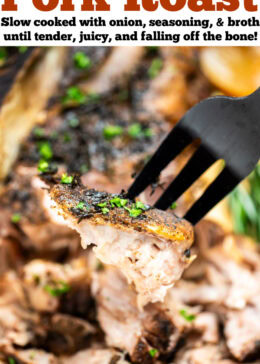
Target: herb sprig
57, 289
245, 207
187, 316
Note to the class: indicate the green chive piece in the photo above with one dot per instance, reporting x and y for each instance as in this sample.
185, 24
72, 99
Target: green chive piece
173, 206
112, 131
84, 168
38, 132
45, 150
81, 205
148, 133
140, 205
11, 360
188, 317
58, 289
153, 352
43, 166
155, 68
74, 95
82, 61
123, 202
102, 204
74, 123
22, 49
135, 131
16, 218
135, 212
118, 202
105, 210
65, 179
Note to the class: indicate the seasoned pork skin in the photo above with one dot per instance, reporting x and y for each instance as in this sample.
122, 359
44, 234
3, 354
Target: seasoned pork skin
150, 247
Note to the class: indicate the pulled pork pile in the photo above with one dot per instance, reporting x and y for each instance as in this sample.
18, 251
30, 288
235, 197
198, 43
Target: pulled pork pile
58, 303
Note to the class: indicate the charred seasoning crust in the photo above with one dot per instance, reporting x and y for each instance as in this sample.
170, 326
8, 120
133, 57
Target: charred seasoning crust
152, 221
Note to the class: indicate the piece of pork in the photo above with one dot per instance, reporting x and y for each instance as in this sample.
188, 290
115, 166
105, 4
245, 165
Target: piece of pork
228, 285
125, 326
34, 234
194, 353
52, 287
31, 356
96, 356
151, 249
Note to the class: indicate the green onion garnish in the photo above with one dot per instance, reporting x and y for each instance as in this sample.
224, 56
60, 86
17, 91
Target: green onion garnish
66, 179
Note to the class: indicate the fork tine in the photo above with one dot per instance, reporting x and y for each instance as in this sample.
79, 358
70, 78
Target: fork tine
174, 143
198, 163
223, 184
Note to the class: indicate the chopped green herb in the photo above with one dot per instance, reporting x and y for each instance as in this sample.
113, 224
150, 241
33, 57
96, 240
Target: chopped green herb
38, 132
84, 168
36, 279
45, 150
16, 218
11, 360
66, 138
112, 131
173, 206
74, 95
105, 210
188, 317
140, 205
65, 179
148, 133
135, 131
135, 212
81, 205
22, 49
43, 166
74, 123
82, 61
153, 352
123, 202
155, 68
102, 204
115, 202
59, 289
153, 48
118, 202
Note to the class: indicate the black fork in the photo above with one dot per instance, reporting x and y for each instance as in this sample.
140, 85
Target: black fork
229, 129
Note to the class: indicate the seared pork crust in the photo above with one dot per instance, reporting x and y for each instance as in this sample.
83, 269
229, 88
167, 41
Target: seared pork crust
152, 221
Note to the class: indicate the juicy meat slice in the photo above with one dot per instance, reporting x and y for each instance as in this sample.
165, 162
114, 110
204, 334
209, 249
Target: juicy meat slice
51, 286
207, 354
125, 326
151, 249
242, 330
96, 356
32, 356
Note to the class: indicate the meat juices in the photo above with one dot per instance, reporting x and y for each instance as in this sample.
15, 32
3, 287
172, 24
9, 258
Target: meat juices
150, 249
